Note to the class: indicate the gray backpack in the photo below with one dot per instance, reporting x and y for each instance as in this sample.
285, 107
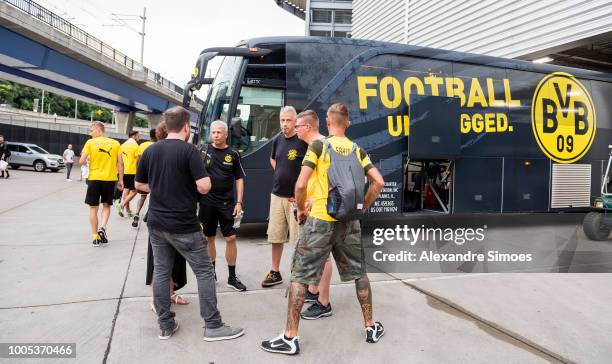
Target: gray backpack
346, 183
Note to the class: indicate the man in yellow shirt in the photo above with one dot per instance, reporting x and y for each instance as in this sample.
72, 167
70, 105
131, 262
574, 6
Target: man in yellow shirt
129, 153
105, 169
321, 234
307, 128
143, 195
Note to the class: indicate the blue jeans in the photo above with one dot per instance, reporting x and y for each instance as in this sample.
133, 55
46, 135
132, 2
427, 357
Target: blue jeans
194, 248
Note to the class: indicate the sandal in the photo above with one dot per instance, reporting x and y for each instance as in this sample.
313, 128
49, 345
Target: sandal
153, 308
178, 299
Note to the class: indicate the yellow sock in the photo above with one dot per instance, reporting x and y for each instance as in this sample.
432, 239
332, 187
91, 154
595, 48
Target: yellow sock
96, 236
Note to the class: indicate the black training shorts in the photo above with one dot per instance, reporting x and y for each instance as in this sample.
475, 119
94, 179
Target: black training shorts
213, 216
128, 182
100, 192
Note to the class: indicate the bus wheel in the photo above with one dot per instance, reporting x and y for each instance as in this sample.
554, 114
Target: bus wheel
594, 227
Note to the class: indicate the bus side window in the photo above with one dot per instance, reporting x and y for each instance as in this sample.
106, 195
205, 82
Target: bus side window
258, 110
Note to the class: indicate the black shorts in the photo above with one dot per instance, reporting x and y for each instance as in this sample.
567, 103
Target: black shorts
100, 192
128, 182
213, 216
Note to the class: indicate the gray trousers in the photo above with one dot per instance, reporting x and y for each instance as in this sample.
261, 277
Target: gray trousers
194, 248
68, 169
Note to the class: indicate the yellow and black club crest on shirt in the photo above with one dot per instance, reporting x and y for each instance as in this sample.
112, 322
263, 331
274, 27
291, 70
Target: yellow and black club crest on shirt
228, 158
292, 154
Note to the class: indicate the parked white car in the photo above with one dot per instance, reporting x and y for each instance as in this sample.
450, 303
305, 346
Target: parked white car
31, 155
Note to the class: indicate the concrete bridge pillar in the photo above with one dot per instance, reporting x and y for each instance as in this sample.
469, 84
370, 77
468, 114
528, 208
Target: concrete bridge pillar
125, 121
154, 120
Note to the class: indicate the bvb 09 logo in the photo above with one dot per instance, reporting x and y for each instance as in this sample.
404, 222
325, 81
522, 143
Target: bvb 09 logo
563, 118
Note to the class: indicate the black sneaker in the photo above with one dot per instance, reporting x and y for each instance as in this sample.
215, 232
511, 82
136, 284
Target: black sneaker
273, 278
135, 221
311, 297
234, 282
96, 243
316, 311
102, 234
374, 333
281, 345
167, 333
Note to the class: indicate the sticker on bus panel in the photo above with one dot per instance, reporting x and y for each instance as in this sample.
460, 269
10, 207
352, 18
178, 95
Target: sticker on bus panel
563, 117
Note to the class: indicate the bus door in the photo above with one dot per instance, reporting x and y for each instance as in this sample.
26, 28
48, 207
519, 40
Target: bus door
434, 143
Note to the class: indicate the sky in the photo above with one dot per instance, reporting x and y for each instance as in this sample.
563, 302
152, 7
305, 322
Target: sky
176, 31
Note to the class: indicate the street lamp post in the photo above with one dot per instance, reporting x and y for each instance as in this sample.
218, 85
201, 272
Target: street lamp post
142, 35
122, 22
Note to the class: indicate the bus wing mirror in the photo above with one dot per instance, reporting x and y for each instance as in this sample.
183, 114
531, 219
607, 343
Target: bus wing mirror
198, 78
235, 127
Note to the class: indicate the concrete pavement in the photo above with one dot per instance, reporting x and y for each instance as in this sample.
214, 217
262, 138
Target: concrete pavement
57, 288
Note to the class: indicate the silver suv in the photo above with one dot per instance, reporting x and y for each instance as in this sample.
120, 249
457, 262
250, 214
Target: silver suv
25, 154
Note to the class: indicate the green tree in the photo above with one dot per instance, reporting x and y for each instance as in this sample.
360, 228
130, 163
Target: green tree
6, 92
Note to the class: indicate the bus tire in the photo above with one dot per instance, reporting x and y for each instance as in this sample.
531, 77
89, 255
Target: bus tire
594, 227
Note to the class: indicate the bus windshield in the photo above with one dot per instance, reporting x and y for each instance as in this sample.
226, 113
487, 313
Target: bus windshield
217, 107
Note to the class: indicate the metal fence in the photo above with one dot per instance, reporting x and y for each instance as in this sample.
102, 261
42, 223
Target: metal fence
57, 22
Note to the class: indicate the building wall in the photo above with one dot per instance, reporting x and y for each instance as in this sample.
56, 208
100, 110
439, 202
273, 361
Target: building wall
328, 18
504, 28
380, 20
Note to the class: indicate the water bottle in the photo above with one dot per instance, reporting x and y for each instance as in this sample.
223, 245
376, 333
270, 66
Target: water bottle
293, 205
238, 219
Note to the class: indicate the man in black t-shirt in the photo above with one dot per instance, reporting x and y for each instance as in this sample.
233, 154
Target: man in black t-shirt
218, 207
286, 160
172, 171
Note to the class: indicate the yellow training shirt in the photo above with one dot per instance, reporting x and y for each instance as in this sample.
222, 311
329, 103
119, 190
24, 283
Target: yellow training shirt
142, 147
317, 160
129, 153
103, 154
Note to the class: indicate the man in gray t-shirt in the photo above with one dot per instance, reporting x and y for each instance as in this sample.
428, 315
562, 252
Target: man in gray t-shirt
68, 161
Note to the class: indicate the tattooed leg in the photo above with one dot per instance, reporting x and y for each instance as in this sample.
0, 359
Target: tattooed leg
364, 295
297, 294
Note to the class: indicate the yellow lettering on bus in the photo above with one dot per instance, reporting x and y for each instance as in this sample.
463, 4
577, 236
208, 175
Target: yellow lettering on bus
491, 92
476, 94
433, 81
413, 82
384, 92
364, 91
465, 123
454, 88
509, 101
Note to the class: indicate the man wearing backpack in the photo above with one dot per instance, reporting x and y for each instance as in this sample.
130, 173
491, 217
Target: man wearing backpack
336, 192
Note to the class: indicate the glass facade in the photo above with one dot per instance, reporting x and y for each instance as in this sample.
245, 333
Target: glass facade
324, 18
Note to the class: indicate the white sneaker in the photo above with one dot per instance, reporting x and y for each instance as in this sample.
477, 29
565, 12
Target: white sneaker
68, 180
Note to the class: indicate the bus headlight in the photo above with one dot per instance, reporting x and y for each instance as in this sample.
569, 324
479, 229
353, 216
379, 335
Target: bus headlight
598, 203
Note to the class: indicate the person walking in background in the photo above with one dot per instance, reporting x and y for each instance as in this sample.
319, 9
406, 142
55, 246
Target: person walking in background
286, 160
85, 171
218, 207
105, 170
172, 171
5, 153
68, 157
143, 195
129, 153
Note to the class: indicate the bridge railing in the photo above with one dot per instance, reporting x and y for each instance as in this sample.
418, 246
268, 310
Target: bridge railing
57, 22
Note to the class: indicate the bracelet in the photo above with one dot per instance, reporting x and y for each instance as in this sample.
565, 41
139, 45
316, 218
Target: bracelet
238, 203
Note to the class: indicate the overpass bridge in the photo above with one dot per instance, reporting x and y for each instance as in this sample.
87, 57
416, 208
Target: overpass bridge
40, 48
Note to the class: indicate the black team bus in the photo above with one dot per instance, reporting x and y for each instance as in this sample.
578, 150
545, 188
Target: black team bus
451, 132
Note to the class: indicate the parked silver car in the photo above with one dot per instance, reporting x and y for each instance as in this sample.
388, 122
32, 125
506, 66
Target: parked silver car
25, 154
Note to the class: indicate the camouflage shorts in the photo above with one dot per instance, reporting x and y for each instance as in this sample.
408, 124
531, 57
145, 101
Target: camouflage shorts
317, 239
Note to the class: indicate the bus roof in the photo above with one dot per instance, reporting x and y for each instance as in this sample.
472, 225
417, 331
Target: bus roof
438, 54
